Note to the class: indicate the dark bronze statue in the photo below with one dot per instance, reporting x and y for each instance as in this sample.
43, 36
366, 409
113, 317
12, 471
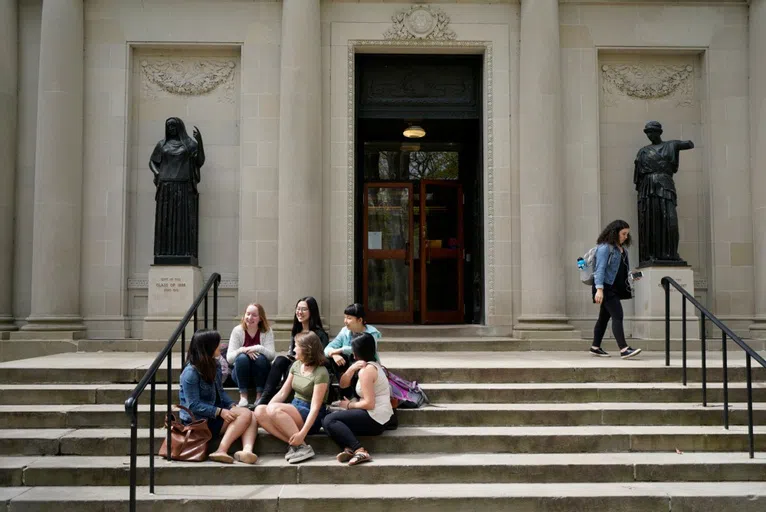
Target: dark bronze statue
175, 163
657, 199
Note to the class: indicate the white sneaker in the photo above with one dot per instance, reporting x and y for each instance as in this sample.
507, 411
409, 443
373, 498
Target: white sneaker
242, 402
303, 452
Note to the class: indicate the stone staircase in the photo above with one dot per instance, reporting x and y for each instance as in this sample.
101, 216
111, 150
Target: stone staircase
510, 429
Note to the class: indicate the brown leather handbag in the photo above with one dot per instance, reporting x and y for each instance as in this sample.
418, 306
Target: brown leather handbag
188, 442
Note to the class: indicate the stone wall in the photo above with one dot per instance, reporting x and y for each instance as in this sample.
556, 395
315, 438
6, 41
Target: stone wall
718, 34
239, 182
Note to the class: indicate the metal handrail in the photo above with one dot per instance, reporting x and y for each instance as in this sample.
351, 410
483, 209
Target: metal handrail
150, 377
726, 334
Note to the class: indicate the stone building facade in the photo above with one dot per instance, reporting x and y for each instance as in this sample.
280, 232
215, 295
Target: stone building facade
565, 89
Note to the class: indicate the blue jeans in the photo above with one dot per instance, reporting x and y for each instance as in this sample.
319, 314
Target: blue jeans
304, 408
250, 371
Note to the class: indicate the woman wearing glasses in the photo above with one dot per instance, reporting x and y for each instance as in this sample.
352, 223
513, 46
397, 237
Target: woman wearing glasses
306, 319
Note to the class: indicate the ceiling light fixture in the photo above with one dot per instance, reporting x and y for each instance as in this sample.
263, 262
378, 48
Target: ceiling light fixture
414, 132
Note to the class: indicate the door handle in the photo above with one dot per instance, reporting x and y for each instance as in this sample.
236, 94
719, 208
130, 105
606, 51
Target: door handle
407, 254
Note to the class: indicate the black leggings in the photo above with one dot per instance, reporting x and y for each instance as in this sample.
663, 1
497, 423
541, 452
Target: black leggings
610, 308
344, 426
279, 368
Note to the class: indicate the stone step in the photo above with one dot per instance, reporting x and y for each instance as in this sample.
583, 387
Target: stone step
389, 469
457, 415
81, 394
563, 439
478, 367
623, 497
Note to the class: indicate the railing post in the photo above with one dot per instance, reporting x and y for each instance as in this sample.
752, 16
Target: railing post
133, 454
215, 303
183, 347
683, 334
196, 322
666, 285
750, 437
704, 360
152, 399
206, 311
725, 384
170, 403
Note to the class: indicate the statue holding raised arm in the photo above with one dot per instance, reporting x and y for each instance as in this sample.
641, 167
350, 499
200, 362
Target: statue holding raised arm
655, 166
175, 164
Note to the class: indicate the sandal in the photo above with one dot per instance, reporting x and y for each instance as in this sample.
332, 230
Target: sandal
359, 458
246, 457
221, 457
345, 456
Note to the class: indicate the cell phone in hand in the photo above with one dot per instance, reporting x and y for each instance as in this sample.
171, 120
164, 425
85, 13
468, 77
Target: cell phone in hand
637, 274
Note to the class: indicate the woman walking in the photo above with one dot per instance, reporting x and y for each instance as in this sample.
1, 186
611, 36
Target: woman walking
611, 284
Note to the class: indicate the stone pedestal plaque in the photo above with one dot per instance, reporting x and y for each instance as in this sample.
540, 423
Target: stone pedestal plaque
172, 289
649, 297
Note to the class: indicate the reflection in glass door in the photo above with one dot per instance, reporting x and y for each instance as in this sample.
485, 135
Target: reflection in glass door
388, 269
441, 252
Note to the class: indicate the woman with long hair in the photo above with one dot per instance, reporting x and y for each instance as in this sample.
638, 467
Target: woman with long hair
251, 350
611, 285
368, 415
306, 319
310, 381
202, 393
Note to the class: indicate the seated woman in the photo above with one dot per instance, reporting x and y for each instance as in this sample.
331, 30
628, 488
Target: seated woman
202, 392
303, 416
339, 350
306, 319
250, 351
368, 415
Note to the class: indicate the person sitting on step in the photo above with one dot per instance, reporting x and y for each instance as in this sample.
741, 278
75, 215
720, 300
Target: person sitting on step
339, 351
202, 393
367, 416
250, 351
306, 319
303, 416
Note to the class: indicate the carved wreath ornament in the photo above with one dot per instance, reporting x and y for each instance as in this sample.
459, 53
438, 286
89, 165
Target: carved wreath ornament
649, 81
420, 22
189, 77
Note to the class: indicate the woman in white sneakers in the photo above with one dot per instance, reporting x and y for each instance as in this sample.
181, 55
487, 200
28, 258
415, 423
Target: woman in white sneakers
611, 285
292, 422
368, 415
250, 352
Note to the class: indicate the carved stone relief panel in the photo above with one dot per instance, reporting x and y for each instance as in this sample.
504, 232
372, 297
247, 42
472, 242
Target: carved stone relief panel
420, 22
647, 81
188, 76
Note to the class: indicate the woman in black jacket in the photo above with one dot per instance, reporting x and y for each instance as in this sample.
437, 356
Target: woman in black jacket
305, 319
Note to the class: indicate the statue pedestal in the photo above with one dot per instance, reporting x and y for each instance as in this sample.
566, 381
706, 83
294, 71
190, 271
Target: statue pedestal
649, 298
172, 289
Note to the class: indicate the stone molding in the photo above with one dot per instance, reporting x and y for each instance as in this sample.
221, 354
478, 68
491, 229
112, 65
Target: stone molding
142, 283
188, 77
420, 21
489, 241
649, 81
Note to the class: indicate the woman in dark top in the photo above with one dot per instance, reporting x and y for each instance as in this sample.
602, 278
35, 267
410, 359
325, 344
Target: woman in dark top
611, 284
306, 319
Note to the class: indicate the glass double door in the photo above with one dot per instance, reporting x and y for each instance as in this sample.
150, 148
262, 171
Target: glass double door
413, 252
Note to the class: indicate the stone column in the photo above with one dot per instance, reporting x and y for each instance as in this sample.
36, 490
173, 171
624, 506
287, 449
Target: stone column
8, 105
58, 171
758, 158
543, 293
300, 158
